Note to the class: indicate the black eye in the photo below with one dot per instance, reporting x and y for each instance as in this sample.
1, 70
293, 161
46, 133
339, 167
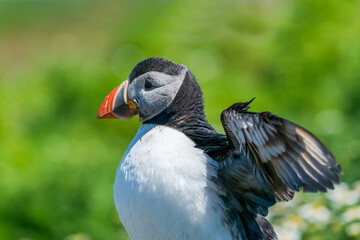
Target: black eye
148, 84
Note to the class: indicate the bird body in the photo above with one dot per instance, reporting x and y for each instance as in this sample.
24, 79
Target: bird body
162, 188
180, 179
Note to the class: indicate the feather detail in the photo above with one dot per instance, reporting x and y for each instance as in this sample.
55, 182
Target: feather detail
279, 151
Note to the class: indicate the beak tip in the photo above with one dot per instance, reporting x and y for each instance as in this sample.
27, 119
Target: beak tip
101, 113
115, 105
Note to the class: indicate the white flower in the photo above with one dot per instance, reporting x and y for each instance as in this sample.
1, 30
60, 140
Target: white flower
287, 233
343, 196
351, 214
314, 212
293, 222
353, 230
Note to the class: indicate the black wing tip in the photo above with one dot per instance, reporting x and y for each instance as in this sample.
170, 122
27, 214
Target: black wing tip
338, 169
241, 106
324, 186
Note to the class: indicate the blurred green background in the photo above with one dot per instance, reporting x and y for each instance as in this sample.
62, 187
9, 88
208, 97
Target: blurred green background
60, 58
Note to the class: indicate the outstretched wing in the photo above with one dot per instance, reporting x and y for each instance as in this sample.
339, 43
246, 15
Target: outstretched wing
280, 155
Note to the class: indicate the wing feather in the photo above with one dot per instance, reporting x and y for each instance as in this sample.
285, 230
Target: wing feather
279, 153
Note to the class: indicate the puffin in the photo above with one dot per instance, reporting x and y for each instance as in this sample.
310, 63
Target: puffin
180, 179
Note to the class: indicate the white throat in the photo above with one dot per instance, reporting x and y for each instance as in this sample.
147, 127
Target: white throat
162, 188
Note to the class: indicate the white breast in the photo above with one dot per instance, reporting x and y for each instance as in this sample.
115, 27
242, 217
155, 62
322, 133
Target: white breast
162, 188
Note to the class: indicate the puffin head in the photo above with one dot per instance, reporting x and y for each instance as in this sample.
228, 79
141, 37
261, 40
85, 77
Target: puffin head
152, 87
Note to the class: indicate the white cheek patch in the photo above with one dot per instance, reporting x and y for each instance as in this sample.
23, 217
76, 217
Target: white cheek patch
162, 96
171, 84
153, 102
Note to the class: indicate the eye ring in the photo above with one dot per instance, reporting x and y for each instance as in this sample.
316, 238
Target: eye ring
148, 84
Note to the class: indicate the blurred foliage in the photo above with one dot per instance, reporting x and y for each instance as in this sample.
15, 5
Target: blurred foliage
59, 58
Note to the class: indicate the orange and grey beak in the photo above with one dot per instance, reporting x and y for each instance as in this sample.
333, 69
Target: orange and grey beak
117, 104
